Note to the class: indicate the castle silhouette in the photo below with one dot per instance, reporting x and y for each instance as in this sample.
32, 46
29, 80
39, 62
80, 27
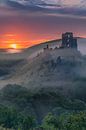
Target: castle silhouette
68, 41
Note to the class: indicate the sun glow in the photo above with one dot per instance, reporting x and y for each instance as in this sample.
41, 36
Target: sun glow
13, 46
18, 41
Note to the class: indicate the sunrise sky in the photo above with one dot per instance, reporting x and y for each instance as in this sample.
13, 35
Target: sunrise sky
24, 23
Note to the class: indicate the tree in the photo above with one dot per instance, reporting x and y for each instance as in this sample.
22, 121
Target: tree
75, 121
50, 122
26, 122
8, 117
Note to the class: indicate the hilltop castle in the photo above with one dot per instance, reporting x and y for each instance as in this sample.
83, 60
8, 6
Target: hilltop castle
68, 41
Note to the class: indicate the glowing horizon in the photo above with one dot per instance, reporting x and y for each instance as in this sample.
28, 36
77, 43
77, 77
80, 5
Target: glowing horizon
18, 42
27, 25
13, 41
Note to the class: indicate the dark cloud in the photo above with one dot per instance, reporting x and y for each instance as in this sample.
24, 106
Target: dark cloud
43, 7
19, 6
71, 11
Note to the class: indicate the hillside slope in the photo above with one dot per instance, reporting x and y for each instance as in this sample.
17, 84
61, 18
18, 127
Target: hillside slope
45, 71
30, 69
51, 81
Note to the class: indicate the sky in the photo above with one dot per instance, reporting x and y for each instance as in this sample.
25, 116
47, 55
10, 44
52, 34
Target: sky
29, 22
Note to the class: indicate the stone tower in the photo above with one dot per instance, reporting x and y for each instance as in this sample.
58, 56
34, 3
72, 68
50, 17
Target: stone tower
68, 41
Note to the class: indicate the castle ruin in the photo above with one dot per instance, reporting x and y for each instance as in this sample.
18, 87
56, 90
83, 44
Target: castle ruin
68, 41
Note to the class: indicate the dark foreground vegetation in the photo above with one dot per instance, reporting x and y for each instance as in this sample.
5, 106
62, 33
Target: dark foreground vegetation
10, 119
17, 104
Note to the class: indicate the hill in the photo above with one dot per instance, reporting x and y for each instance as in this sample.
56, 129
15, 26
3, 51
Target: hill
44, 81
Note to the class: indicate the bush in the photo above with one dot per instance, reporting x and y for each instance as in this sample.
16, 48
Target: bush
10, 118
74, 121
